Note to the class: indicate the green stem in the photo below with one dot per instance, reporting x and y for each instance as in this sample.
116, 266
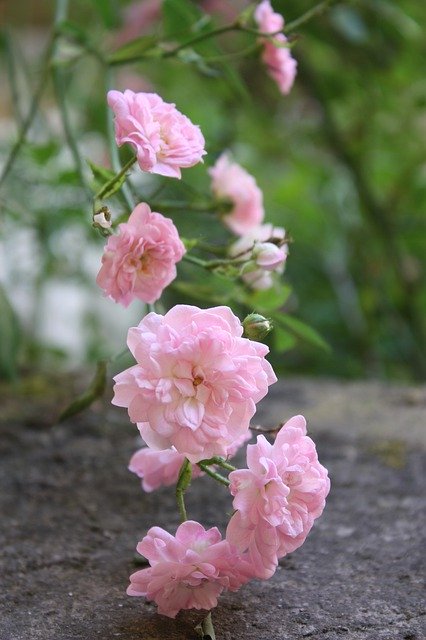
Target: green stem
104, 190
213, 264
170, 205
60, 88
10, 161
12, 73
213, 474
183, 483
171, 53
319, 9
221, 462
59, 85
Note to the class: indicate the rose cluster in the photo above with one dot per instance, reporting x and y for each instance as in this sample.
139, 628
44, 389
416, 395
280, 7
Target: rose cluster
198, 375
276, 501
192, 394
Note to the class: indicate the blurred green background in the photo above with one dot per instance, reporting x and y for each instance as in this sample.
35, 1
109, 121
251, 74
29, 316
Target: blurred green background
341, 162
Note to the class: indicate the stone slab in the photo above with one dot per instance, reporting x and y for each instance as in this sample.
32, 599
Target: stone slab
72, 515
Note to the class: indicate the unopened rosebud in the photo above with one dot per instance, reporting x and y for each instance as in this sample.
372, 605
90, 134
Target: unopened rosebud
256, 327
102, 218
269, 256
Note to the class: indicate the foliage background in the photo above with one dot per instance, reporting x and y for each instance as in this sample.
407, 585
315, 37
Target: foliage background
341, 161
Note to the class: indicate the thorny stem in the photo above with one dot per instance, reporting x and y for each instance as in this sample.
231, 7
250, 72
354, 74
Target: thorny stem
183, 483
213, 474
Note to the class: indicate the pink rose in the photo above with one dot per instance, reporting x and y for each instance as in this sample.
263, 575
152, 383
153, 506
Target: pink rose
140, 261
161, 468
265, 249
276, 55
188, 571
278, 497
230, 181
196, 382
268, 21
163, 138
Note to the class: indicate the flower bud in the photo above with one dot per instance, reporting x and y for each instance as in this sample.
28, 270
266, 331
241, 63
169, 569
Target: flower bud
268, 256
256, 327
102, 218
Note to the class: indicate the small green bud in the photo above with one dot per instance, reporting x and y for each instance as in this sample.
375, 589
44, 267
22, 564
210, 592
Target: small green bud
256, 327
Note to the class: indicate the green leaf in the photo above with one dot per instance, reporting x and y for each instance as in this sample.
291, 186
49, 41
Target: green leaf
101, 174
189, 56
95, 390
182, 18
268, 300
42, 153
10, 338
283, 340
108, 11
133, 50
301, 330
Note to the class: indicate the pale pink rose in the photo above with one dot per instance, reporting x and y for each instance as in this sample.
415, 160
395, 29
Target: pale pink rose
265, 250
163, 138
268, 21
196, 382
140, 261
189, 570
159, 468
278, 497
231, 182
276, 55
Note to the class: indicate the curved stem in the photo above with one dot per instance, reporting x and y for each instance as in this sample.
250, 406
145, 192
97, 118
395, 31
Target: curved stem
213, 474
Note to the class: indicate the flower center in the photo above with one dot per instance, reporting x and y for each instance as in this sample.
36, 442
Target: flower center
197, 380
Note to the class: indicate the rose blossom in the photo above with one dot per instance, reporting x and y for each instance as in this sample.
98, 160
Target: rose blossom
276, 55
265, 249
278, 497
140, 261
196, 382
161, 468
188, 571
163, 138
230, 181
